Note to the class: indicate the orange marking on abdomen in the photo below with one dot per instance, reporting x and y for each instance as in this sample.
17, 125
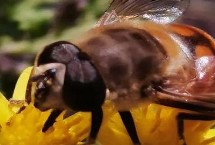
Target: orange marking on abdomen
204, 40
201, 51
181, 29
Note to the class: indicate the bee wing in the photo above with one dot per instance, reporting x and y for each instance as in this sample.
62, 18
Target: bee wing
198, 91
160, 11
193, 102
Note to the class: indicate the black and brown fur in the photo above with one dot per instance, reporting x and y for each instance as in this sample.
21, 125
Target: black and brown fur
135, 62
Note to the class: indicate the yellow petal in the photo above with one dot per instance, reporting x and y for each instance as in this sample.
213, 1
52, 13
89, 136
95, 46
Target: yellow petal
18, 99
5, 111
20, 89
209, 138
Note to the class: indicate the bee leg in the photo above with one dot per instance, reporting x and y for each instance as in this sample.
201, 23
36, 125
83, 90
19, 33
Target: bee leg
19, 103
130, 126
186, 116
96, 121
51, 119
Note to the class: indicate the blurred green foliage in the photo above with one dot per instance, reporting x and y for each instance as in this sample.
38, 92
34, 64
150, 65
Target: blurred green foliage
32, 23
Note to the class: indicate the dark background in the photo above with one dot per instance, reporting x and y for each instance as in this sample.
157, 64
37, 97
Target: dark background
27, 25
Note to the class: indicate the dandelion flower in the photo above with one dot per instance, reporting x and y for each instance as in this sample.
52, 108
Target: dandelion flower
156, 125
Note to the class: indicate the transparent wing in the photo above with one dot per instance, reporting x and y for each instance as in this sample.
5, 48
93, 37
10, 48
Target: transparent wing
160, 11
198, 91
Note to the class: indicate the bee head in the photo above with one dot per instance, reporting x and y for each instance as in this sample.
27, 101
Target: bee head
63, 72
49, 74
48, 81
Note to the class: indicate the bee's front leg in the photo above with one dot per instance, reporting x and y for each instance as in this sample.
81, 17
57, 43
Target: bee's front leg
187, 116
96, 121
51, 119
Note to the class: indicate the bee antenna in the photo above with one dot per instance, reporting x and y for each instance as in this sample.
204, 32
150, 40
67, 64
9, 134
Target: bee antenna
49, 73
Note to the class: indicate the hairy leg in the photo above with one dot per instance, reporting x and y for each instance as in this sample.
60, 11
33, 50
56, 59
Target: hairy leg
96, 121
130, 126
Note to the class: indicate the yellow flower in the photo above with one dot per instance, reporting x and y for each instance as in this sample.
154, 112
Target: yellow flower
156, 125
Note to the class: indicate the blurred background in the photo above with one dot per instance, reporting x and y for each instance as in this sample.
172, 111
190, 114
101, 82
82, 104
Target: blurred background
26, 26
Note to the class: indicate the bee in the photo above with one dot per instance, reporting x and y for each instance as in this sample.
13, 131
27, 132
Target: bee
134, 54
